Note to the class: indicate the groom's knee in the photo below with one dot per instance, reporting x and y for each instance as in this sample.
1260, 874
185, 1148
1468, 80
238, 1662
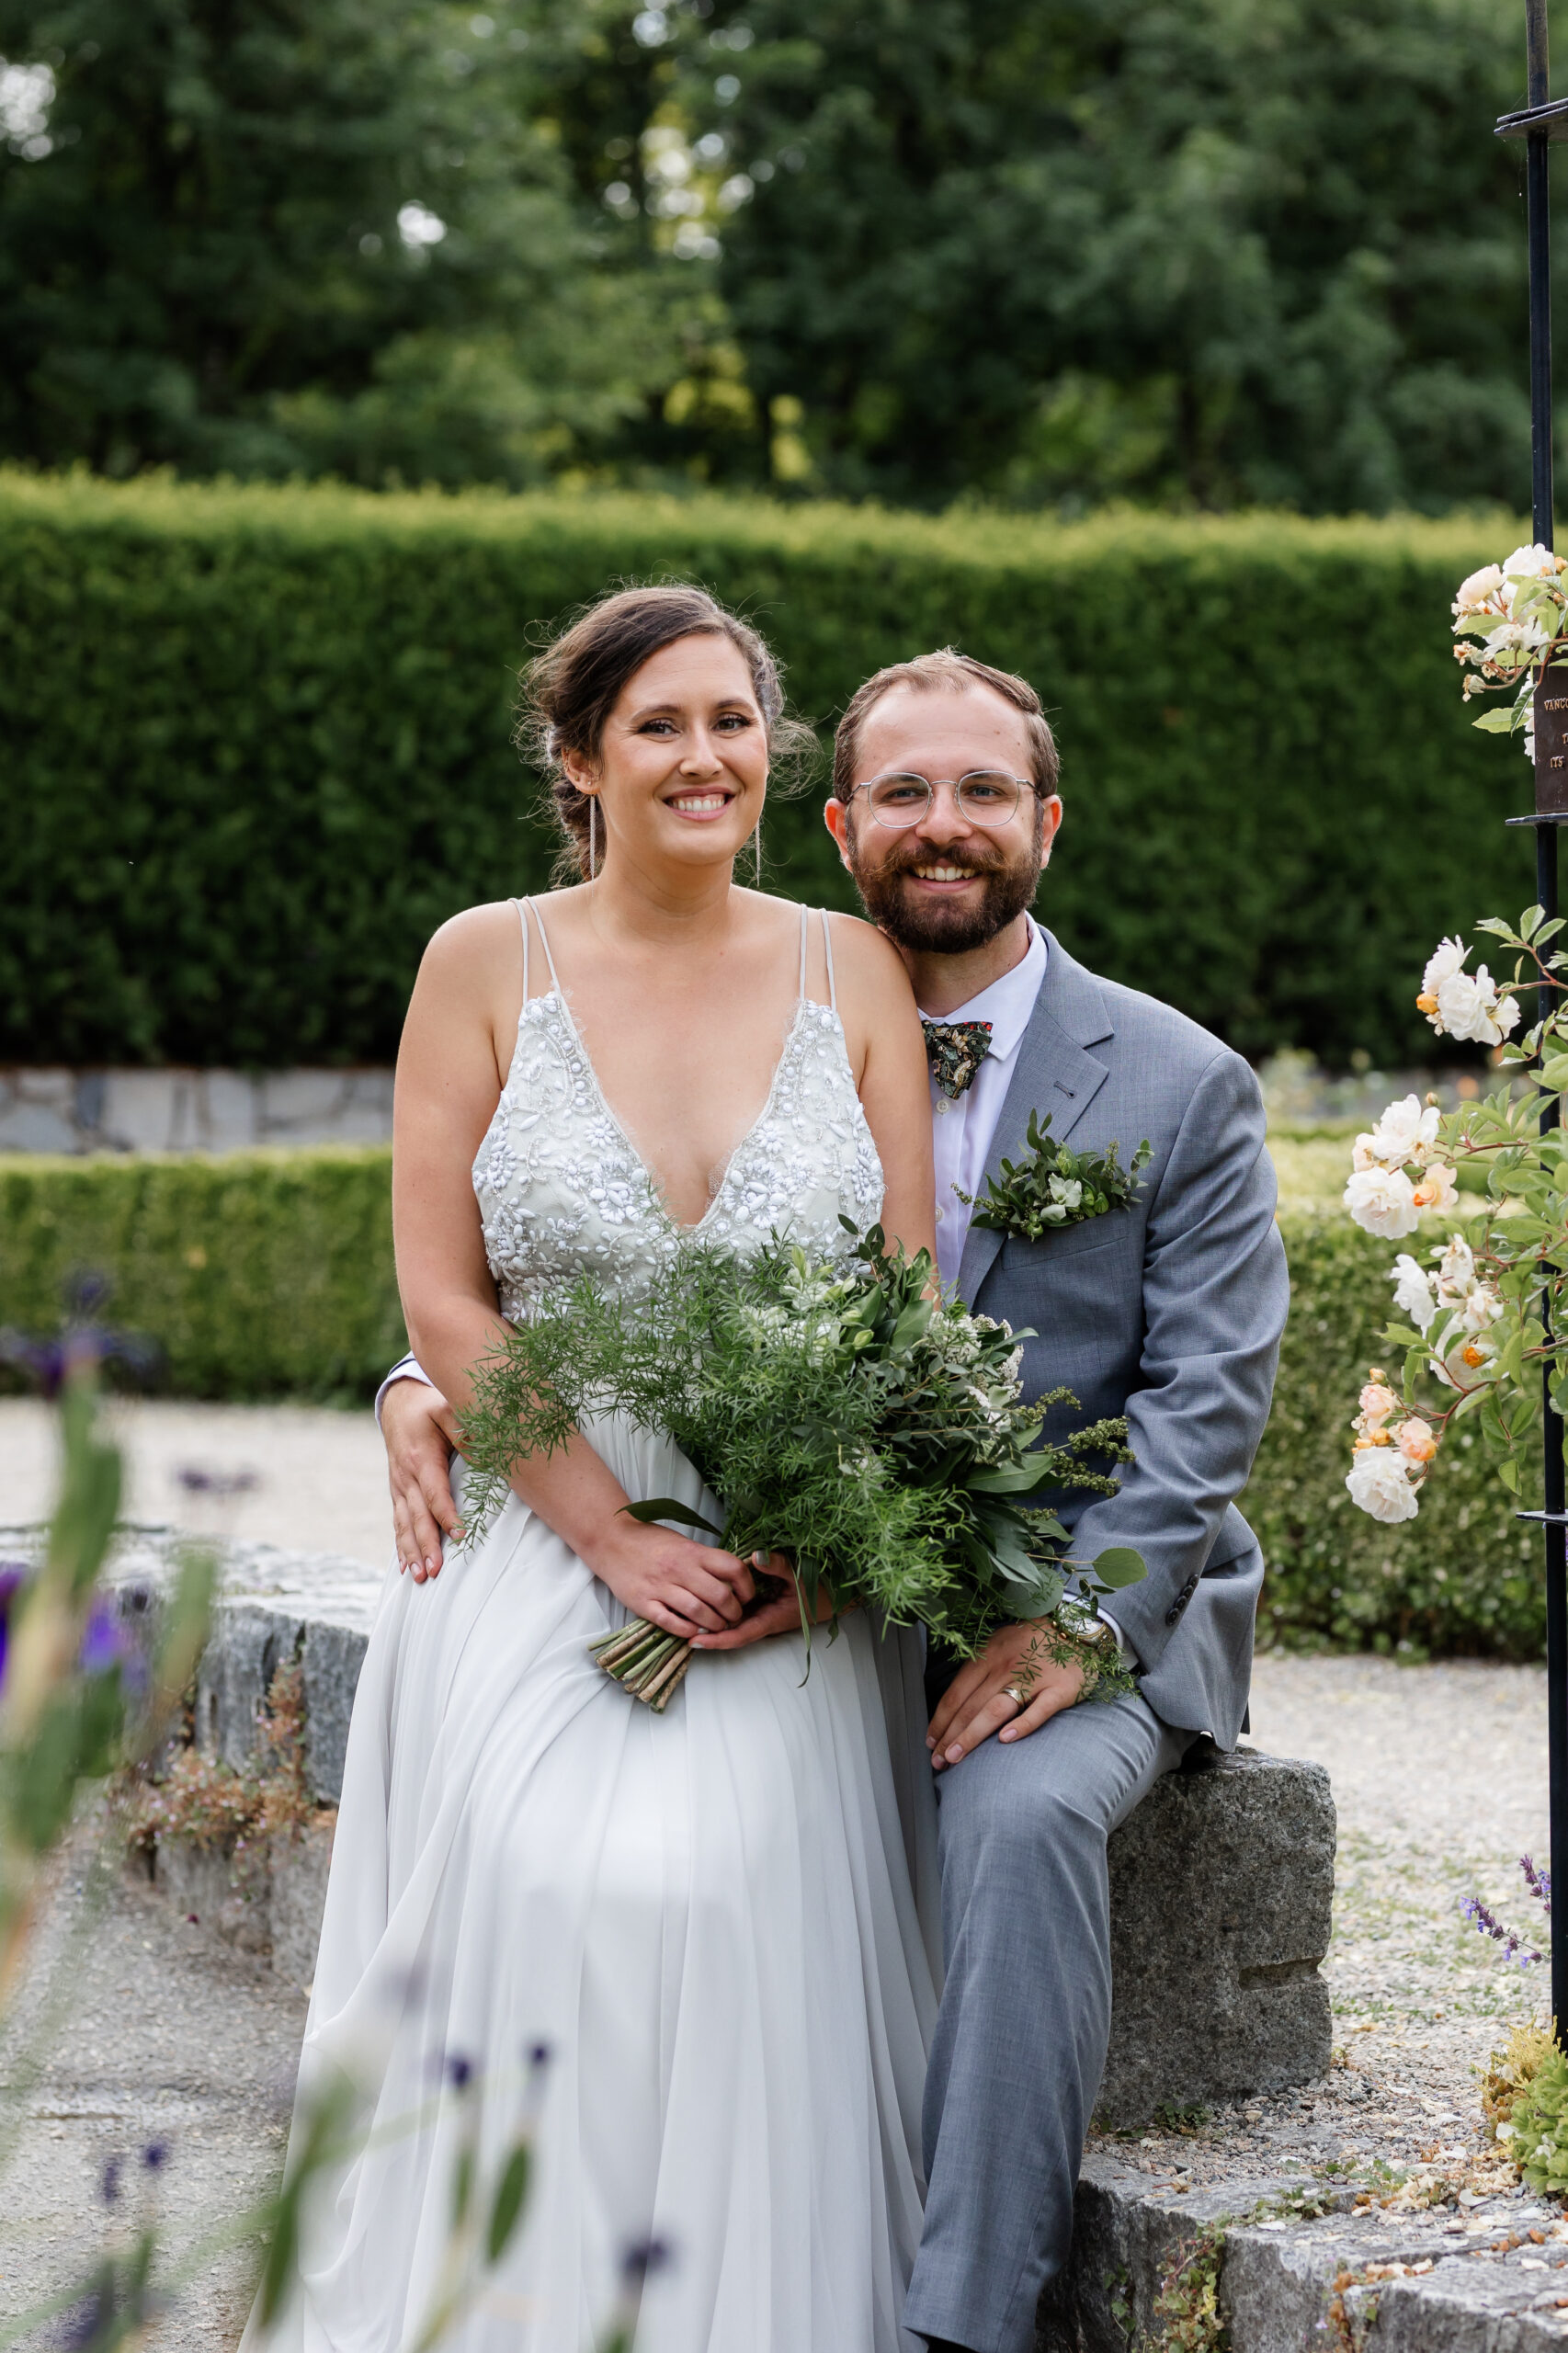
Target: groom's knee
1017, 1835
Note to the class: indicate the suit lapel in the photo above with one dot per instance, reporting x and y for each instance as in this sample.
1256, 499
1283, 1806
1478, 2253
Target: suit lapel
1053, 1073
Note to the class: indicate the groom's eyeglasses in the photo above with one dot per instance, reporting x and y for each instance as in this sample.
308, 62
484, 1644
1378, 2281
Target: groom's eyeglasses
985, 796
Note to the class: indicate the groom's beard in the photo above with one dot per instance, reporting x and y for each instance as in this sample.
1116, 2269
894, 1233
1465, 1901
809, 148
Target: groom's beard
943, 927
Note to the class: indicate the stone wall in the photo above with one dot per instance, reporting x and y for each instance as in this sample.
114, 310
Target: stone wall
190, 1111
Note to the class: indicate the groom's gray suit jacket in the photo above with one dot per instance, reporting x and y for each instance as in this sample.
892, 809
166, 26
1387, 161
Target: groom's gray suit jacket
1169, 1312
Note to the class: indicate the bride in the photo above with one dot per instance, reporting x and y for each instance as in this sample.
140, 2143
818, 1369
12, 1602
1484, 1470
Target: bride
721, 1922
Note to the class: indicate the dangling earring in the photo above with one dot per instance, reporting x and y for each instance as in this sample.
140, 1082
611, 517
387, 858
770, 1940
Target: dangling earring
593, 835
758, 839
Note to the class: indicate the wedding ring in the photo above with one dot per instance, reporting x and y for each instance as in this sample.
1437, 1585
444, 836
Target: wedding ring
1011, 1691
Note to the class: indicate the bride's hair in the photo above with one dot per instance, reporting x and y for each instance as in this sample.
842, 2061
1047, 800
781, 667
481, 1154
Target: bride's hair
570, 690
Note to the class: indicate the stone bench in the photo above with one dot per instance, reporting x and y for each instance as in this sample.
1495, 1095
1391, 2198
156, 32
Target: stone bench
1221, 1882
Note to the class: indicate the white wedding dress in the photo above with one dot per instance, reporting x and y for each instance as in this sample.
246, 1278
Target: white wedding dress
722, 1922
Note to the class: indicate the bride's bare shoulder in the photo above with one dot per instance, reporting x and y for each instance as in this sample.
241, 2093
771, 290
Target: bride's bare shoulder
869, 962
474, 939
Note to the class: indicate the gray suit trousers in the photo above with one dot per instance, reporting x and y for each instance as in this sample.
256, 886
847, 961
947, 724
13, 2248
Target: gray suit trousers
1025, 2020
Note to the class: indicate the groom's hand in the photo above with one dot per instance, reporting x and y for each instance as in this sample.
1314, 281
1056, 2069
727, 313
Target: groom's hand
421, 1434
980, 1699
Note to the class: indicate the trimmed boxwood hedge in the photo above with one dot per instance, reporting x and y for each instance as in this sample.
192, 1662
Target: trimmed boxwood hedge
268, 1274
256, 743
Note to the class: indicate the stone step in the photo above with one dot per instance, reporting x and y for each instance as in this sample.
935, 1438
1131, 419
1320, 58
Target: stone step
1381, 2281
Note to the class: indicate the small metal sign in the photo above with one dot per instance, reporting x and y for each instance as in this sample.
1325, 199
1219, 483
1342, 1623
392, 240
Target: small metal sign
1552, 741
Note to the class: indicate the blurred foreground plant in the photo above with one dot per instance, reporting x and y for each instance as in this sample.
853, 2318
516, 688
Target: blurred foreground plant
88, 1690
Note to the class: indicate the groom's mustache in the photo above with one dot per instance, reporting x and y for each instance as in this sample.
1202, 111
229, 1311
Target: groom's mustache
987, 860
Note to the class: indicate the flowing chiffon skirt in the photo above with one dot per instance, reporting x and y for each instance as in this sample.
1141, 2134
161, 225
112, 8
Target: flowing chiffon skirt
723, 1922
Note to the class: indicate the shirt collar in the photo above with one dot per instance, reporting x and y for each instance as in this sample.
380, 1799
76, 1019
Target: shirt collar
1007, 1004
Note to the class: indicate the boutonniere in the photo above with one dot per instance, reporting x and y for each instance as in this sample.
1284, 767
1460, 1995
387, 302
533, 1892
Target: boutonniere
1057, 1187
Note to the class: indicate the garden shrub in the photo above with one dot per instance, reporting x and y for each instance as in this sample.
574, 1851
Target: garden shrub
270, 1274
257, 743
258, 1274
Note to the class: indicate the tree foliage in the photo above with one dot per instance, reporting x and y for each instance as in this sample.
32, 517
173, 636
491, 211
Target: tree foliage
1041, 252
266, 236
1225, 250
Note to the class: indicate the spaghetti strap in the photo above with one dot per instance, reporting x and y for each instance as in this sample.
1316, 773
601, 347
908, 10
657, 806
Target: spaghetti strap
522, 907
544, 937
828, 950
801, 990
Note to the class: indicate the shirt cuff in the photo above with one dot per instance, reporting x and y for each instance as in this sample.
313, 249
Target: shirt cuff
1129, 1655
407, 1368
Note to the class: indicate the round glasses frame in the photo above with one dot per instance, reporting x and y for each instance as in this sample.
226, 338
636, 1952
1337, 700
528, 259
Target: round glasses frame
971, 792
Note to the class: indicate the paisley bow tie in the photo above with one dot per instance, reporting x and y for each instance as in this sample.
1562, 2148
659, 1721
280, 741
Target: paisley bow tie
955, 1050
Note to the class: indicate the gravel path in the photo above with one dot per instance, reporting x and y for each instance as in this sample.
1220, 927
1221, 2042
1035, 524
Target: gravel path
320, 1480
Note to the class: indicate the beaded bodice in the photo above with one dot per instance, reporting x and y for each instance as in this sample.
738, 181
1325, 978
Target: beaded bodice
563, 1191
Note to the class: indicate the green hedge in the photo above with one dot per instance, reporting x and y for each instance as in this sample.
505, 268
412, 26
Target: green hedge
272, 1273
260, 1274
256, 743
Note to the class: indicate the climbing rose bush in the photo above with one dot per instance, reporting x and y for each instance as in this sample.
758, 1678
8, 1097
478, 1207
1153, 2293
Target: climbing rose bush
1472, 1340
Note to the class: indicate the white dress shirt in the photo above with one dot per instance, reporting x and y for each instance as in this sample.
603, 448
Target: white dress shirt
962, 1127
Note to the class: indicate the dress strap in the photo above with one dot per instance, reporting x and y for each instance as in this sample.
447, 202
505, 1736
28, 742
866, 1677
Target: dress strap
801, 992
827, 951
544, 937
522, 907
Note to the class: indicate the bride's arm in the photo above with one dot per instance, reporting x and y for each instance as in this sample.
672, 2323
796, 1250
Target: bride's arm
450, 1069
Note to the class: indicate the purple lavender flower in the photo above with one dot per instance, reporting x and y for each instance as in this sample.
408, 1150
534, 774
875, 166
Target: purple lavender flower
1487, 1924
1539, 1881
108, 1643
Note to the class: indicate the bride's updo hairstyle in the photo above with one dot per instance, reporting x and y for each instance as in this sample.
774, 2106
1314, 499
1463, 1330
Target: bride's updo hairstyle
570, 690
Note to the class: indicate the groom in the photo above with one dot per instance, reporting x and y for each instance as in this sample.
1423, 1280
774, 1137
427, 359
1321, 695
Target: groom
1168, 1308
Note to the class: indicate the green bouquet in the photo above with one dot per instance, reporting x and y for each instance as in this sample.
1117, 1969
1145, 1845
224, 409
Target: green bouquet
845, 1415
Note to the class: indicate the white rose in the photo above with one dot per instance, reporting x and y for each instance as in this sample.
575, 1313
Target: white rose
1416, 1440
1445, 959
1383, 1201
1436, 1189
1534, 563
1455, 1270
1379, 1485
1479, 589
1513, 638
1482, 1307
1404, 1133
1412, 1290
1473, 1008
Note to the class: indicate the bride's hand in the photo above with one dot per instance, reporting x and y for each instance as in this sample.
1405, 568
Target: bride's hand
781, 1616
692, 1591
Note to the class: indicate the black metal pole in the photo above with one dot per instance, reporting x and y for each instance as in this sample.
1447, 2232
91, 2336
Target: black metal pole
1536, 180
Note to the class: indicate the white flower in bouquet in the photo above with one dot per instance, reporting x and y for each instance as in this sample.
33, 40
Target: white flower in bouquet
1412, 1290
1482, 592
1383, 1201
1436, 1189
1405, 1132
1379, 1483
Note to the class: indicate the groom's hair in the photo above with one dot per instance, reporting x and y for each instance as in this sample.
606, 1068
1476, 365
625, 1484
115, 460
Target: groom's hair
945, 672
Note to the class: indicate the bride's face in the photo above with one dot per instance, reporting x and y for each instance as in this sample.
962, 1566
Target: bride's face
682, 768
